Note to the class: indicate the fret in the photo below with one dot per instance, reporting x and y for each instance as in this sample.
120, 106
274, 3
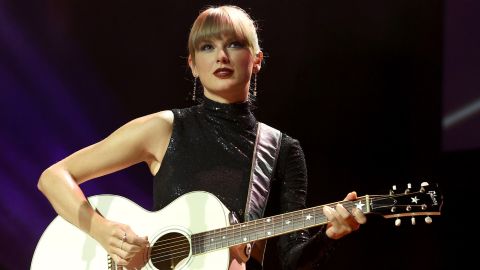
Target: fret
269, 227
288, 222
237, 234
204, 242
230, 236
218, 239
224, 238
276, 225
309, 218
260, 228
298, 220
200, 243
244, 233
303, 219
254, 230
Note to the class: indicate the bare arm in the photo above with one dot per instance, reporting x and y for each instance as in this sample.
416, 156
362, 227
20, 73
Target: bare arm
141, 140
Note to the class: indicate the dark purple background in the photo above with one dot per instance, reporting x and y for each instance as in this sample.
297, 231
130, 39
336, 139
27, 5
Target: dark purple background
359, 83
461, 75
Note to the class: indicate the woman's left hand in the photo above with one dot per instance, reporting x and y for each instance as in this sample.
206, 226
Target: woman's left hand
341, 221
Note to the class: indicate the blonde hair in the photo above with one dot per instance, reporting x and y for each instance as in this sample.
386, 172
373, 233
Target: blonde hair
217, 21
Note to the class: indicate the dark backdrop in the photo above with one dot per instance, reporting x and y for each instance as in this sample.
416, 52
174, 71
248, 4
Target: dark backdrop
359, 83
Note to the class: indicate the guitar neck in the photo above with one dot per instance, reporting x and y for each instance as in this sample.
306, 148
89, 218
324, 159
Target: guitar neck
268, 227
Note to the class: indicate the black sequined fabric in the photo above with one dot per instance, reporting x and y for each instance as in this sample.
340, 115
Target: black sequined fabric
211, 149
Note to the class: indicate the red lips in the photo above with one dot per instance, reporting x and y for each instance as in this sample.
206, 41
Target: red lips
223, 73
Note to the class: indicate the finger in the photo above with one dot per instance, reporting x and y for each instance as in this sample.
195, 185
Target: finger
347, 219
119, 260
120, 233
140, 241
334, 229
351, 196
342, 211
359, 216
331, 214
130, 247
125, 255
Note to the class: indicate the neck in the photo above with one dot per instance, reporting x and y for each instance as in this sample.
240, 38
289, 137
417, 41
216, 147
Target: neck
227, 97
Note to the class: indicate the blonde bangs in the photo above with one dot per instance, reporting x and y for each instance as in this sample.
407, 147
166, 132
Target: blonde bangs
214, 23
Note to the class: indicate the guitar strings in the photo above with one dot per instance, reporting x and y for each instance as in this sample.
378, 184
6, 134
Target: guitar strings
296, 217
200, 240
184, 251
348, 203
247, 227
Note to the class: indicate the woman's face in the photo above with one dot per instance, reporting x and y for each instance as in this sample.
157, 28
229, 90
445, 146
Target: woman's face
224, 67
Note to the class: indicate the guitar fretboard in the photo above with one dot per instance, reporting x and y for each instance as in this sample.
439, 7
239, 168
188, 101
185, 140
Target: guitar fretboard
266, 227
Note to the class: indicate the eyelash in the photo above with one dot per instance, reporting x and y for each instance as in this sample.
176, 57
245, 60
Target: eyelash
236, 44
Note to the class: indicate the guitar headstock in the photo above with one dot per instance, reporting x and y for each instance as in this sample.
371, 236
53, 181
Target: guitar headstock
425, 200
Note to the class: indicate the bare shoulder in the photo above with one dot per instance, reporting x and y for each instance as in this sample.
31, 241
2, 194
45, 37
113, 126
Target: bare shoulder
159, 123
145, 132
157, 130
164, 116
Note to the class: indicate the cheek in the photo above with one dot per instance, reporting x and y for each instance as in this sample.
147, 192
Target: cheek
203, 64
245, 62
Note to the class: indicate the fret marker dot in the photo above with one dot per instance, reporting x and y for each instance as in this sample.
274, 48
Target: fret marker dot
245, 239
269, 233
287, 222
268, 220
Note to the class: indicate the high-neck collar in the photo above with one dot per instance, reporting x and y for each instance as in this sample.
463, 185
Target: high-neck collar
237, 113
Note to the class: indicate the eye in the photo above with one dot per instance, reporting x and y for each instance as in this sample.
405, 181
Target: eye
206, 47
236, 44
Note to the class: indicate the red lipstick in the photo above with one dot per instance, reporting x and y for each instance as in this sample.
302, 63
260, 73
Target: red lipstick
223, 73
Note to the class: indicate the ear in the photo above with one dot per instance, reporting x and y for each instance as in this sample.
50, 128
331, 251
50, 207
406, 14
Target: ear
192, 66
257, 64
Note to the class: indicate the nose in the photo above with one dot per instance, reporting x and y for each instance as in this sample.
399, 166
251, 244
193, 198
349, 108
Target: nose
222, 57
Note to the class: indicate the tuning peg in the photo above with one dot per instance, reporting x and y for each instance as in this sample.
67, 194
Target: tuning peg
413, 221
428, 220
394, 188
409, 186
422, 186
398, 222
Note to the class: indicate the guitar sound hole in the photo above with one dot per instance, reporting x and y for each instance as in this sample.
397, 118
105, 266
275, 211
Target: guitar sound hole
169, 250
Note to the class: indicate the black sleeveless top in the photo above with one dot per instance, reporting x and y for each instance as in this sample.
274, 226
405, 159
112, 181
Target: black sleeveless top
211, 149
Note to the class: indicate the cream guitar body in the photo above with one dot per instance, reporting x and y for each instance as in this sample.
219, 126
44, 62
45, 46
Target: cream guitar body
64, 246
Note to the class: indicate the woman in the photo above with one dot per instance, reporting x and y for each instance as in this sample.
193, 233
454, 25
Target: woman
224, 54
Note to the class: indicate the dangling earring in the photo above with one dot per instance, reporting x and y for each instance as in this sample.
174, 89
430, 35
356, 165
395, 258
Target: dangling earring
194, 94
255, 84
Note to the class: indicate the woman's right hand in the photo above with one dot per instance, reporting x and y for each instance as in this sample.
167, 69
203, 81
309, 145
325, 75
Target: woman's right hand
119, 240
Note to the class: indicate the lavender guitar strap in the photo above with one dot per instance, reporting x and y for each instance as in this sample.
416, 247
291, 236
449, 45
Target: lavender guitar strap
265, 153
